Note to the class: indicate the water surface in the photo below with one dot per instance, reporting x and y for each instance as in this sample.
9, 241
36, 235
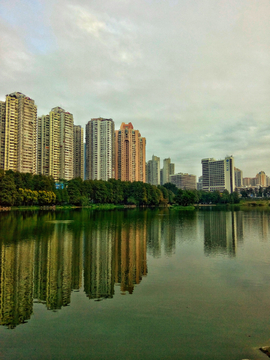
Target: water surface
134, 284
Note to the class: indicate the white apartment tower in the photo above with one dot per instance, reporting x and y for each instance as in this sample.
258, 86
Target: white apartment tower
55, 144
218, 174
18, 133
78, 152
99, 155
153, 171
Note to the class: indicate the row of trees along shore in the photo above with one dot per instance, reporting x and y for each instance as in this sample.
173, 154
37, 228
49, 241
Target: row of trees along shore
25, 189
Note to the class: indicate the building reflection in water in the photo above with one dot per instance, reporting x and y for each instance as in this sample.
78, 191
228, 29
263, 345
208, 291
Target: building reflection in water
44, 256
223, 231
109, 250
161, 231
114, 253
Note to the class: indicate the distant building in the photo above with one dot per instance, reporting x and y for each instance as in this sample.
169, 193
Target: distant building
78, 152
261, 179
183, 181
153, 171
218, 174
248, 181
129, 154
18, 133
168, 169
238, 177
200, 183
100, 149
55, 144
161, 176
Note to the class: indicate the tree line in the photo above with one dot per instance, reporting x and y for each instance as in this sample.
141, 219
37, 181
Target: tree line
18, 189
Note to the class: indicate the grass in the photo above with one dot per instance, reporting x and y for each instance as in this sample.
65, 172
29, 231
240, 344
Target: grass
254, 203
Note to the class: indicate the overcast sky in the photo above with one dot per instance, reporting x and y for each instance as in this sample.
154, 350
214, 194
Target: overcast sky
192, 75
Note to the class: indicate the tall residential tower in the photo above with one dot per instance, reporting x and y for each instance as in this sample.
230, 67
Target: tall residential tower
78, 152
18, 133
55, 144
99, 155
129, 154
153, 171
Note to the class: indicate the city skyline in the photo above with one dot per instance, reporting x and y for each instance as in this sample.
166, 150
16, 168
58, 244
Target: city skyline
192, 76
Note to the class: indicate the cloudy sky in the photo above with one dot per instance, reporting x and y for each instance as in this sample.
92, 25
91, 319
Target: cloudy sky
192, 75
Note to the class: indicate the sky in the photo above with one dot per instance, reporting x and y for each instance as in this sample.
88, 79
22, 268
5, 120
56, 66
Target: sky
193, 76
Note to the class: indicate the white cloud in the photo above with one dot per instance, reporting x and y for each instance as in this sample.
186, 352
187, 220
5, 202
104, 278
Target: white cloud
192, 76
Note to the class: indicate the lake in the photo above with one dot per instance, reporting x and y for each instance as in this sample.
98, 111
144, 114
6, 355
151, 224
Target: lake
134, 284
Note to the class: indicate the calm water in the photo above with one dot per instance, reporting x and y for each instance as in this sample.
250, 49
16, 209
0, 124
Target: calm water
133, 284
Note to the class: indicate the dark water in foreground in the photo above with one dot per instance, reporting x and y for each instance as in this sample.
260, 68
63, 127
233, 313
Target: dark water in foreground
135, 284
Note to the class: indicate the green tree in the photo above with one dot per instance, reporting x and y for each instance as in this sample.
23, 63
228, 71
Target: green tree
8, 191
172, 187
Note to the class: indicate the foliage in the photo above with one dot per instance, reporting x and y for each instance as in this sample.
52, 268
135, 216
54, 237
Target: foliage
28, 190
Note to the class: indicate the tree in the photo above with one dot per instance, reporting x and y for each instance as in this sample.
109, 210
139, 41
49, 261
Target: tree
172, 187
8, 191
185, 197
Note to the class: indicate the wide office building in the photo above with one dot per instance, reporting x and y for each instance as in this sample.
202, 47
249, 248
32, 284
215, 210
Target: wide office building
184, 181
55, 144
99, 154
129, 154
218, 174
18, 133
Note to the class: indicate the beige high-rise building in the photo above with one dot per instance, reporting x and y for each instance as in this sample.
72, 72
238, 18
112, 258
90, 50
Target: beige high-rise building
99, 154
129, 154
18, 133
261, 178
2, 133
55, 144
78, 153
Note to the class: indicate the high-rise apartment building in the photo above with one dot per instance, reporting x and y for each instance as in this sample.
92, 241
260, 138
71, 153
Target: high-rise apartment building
168, 169
2, 133
153, 171
184, 181
18, 133
200, 183
218, 174
100, 156
261, 178
238, 177
78, 152
129, 154
55, 144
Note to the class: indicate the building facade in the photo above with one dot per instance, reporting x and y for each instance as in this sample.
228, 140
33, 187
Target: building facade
168, 169
218, 174
18, 133
78, 152
184, 181
261, 179
100, 155
55, 144
129, 154
153, 171
238, 177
